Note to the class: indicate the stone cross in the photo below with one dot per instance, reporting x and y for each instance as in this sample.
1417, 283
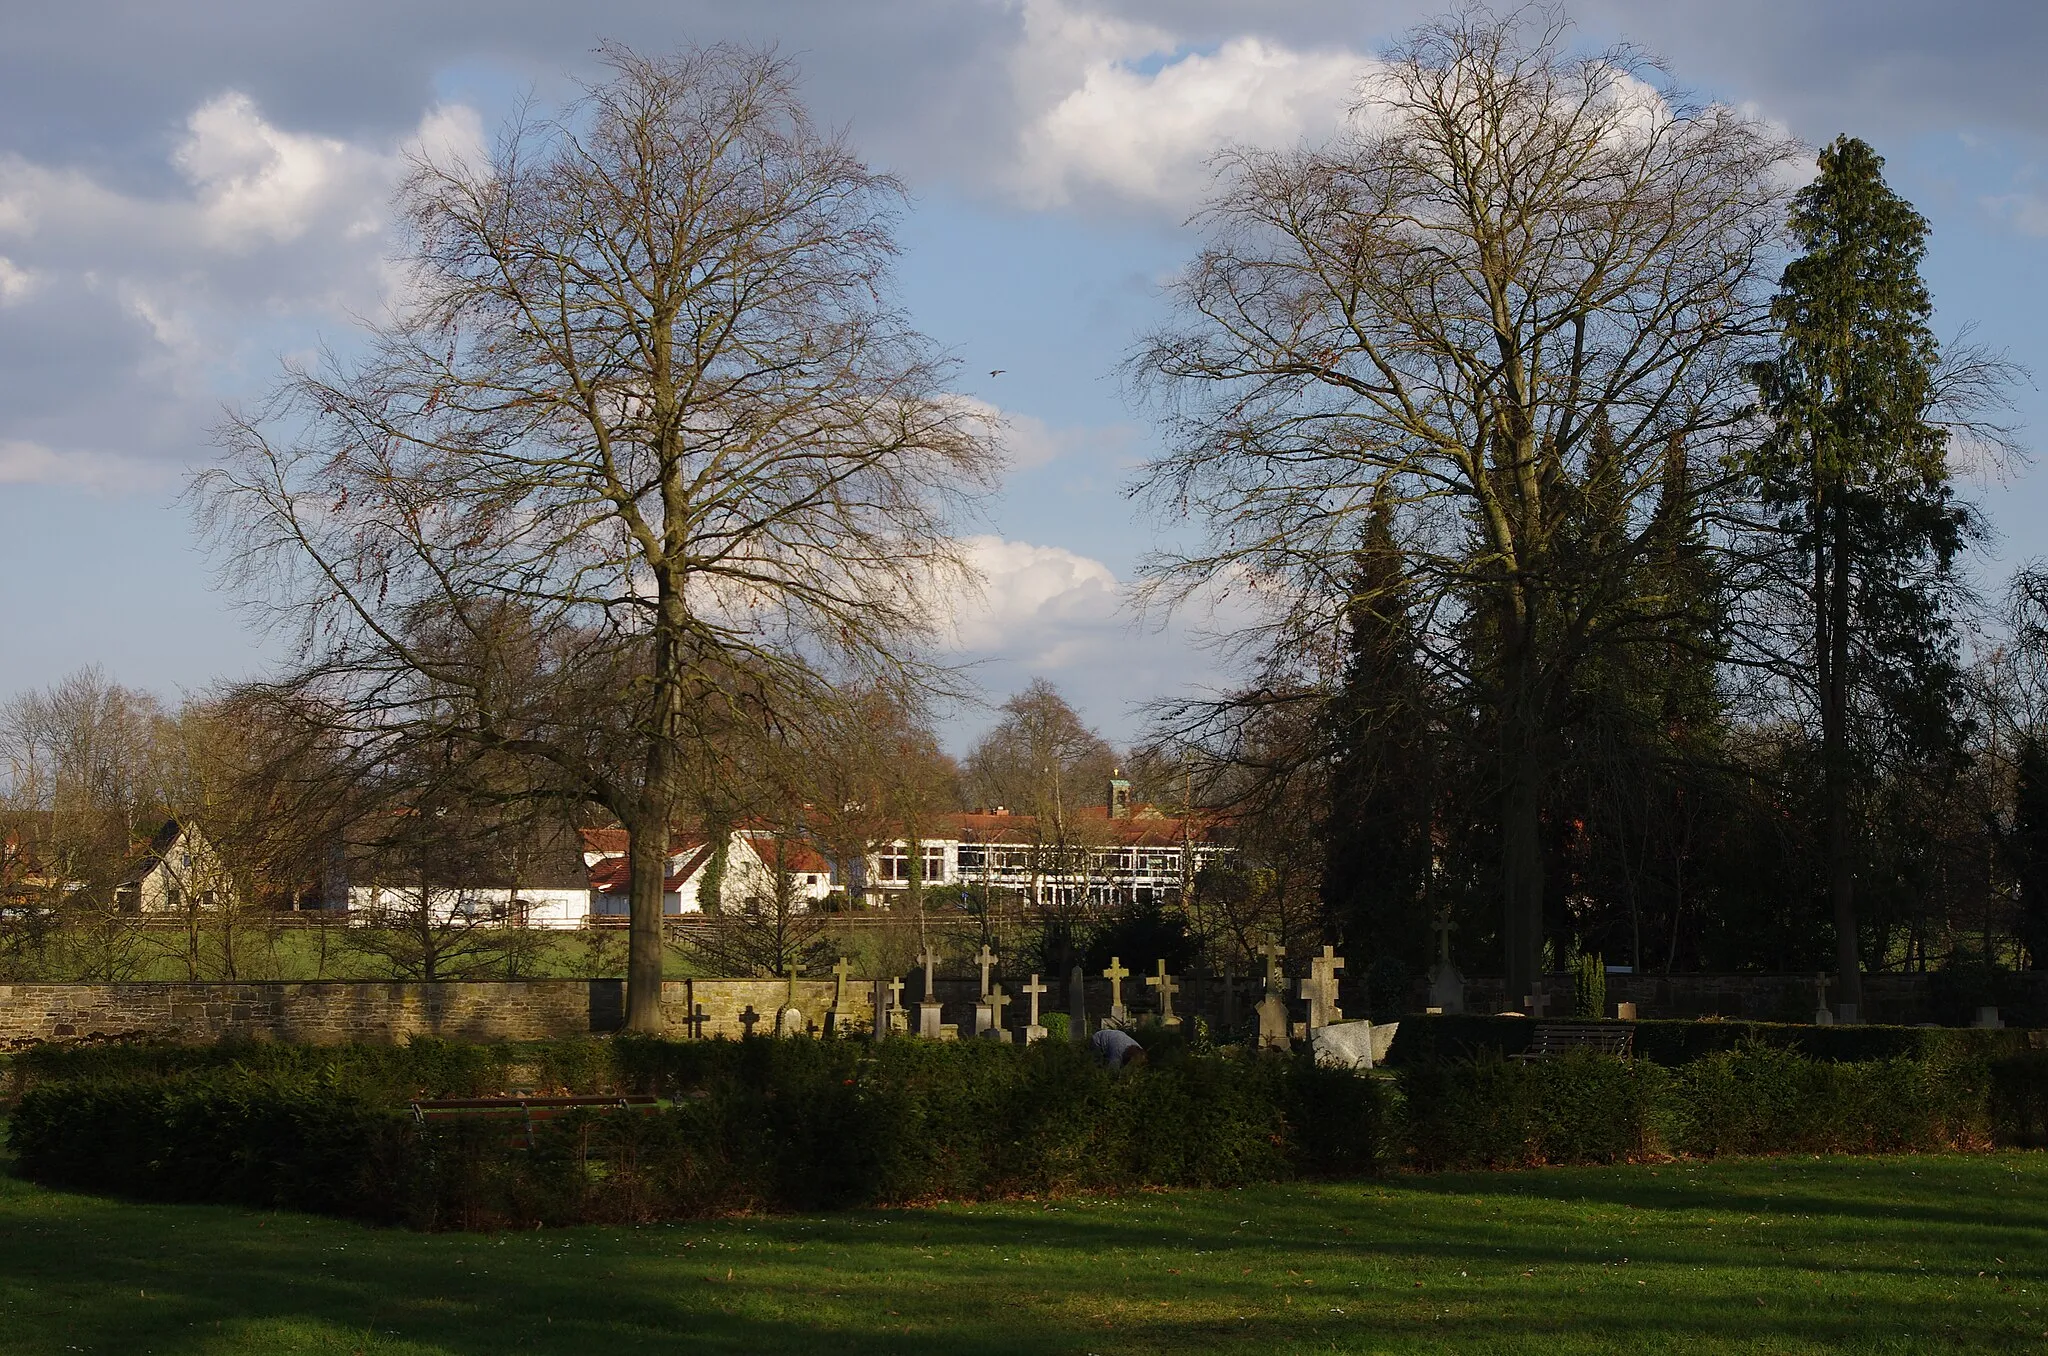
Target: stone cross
882, 1001
1274, 952
931, 964
997, 1001
1077, 1006
1443, 927
840, 974
1034, 989
986, 960
1116, 974
1821, 1015
790, 1001
1167, 988
1536, 1002
1320, 989
747, 1019
895, 995
696, 1020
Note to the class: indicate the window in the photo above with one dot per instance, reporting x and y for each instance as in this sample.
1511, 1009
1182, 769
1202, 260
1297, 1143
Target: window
934, 864
970, 856
893, 864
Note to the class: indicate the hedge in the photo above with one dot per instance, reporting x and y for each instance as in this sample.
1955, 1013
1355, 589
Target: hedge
1676, 1042
750, 1125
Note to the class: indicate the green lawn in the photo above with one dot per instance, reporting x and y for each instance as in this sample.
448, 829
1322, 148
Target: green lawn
1893, 1255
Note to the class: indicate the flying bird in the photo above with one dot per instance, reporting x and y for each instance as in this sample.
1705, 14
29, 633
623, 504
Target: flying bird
997, 371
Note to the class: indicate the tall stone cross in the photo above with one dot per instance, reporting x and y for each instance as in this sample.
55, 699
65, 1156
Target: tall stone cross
986, 960
998, 1000
1443, 927
1821, 1015
696, 1020
1164, 983
1536, 1002
1116, 974
931, 966
1034, 989
841, 972
790, 1001
895, 994
1320, 989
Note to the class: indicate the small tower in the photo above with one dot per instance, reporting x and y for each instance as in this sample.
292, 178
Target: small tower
1119, 795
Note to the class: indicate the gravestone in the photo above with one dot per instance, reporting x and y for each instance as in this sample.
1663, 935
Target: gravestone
696, 1021
1116, 974
1534, 1003
1320, 989
1077, 1007
987, 960
748, 1018
789, 1021
839, 1021
930, 1010
1167, 988
1446, 985
995, 1030
1272, 1012
1847, 1014
1624, 1012
1034, 1032
1821, 1015
1989, 1020
883, 1001
896, 1019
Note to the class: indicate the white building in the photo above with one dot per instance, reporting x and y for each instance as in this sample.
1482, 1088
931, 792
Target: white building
751, 859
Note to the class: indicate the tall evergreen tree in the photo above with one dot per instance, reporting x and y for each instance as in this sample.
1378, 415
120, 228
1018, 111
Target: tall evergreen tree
1377, 837
1855, 471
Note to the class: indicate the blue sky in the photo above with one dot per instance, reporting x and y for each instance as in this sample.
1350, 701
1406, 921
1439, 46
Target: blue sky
188, 192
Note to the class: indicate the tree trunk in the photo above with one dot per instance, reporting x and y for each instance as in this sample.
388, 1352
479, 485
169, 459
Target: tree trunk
1521, 861
646, 872
1834, 721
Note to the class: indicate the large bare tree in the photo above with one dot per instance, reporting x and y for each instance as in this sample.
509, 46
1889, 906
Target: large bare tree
1504, 306
647, 421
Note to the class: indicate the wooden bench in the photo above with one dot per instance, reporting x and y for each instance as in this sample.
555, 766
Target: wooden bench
522, 1114
1549, 1042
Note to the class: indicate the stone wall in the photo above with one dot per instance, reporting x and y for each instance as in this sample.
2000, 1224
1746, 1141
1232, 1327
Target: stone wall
325, 1013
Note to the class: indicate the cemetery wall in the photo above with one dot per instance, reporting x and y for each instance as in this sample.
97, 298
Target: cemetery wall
318, 1013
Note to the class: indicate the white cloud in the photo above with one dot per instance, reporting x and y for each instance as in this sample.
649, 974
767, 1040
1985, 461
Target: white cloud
1029, 442
1123, 116
2026, 213
16, 282
1038, 605
128, 313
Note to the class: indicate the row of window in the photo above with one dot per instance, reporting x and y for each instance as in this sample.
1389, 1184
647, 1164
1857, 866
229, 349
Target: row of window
974, 859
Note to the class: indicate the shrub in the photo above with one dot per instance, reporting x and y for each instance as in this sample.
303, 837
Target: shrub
793, 1125
1589, 988
1490, 1112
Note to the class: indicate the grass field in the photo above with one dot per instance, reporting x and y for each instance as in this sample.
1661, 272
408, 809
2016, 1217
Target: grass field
1882, 1255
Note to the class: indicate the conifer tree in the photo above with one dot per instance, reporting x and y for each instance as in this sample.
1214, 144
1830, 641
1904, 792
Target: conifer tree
1855, 472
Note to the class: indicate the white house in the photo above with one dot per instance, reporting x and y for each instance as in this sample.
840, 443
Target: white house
751, 860
178, 871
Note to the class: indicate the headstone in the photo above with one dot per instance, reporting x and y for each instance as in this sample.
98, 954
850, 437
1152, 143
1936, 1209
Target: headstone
1447, 988
840, 1018
986, 960
1116, 974
896, 1021
930, 1010
748, 1018
1989, 1020
1346, 1045
1624, 1012
1534, 1003
1274, 952
1273, 1022
1846, 1014
1821, 1015
1320, 989
696, 1021
1077, 1007
789, 1021
1167, 988
1034, 1032
997, 1001
880, 999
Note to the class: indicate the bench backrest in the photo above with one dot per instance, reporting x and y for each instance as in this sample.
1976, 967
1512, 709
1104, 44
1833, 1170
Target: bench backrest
1600, 1040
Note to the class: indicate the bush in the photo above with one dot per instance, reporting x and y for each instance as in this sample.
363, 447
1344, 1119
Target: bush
1490, 1112
1673, 1043
787, 1125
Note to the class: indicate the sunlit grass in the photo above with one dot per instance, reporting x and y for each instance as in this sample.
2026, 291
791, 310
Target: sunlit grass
1896, 1254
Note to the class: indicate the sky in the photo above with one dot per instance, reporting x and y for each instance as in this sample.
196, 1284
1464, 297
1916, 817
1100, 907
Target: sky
191, 193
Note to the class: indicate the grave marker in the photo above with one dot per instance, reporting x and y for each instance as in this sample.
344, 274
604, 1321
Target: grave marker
1077, 1007
930, 1010
748, 1017
1167, 988
1034, 1032
987, 960
1116, 974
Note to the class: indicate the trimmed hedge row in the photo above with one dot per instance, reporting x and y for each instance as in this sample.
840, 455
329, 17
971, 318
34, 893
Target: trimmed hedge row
1488, 1112
790, 1125
1675, 1042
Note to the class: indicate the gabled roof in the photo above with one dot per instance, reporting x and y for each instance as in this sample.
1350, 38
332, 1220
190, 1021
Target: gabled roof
796, 857
613, 875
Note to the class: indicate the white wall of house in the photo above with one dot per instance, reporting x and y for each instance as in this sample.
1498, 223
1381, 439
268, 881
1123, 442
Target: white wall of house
541, 908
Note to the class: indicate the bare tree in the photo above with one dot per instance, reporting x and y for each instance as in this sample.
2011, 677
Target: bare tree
648, 419
1521, 280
